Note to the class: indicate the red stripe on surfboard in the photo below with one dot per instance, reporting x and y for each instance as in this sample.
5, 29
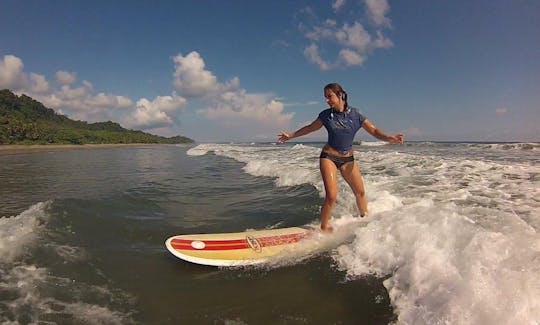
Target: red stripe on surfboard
185, 244
209, 241
211, 248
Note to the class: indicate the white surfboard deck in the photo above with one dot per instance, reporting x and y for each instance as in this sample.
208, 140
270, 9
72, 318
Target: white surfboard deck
237, 249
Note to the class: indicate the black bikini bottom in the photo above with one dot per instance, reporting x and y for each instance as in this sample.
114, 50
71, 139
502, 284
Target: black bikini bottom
338, 161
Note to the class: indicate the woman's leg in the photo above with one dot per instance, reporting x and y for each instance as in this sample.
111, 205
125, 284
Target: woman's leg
353, 177
329, 176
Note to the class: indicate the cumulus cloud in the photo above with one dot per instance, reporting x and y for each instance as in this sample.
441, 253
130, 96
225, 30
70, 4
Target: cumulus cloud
256, 115
193, 80
354, 36
353, 41
312, 54
11, 73
241, 106
157, 113
337, 5
307, 103
227, 104
38, 84
376, 11
382, 42
78, 102
228, 107
65, 78
350, 57
81, 102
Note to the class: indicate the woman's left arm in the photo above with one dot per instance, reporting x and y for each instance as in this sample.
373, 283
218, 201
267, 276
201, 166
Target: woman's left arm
379, 134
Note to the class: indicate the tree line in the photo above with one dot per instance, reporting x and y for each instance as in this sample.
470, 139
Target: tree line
24, 120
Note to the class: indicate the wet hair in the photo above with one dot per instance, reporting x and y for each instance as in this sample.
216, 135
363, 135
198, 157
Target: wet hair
338, 90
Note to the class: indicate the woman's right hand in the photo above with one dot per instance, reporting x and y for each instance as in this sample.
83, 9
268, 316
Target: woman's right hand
284, 136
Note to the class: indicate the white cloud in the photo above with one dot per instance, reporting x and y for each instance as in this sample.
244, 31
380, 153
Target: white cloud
240, 107
228, 107
376, 11
294, 104
312, 54
81, 102
157, 113
11, 73
338, 4
65, 77
38, 84
190, 76
228, 104
78, 102
108, 100
354, 36
326, 31
253, 115
193, 80
13, 77
350, 57
382, 42
353, 41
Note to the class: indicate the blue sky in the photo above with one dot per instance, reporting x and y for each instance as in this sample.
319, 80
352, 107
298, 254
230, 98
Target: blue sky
245, 70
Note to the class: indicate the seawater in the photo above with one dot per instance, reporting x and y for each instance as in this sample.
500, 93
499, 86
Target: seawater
452, 236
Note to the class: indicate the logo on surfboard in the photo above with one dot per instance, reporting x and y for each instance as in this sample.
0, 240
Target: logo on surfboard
254, 243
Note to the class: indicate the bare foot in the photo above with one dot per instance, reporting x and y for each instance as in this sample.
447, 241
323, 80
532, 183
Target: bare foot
327, 229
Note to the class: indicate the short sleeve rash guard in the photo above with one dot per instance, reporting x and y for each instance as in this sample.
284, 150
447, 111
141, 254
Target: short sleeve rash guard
341, 127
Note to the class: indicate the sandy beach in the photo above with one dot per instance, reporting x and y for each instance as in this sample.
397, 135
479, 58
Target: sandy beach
14, 149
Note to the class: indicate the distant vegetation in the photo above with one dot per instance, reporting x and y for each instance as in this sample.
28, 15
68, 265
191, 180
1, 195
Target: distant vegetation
24, 120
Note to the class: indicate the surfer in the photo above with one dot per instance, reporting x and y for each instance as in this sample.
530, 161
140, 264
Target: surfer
341, 122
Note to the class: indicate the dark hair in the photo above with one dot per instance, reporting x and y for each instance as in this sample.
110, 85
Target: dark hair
338, 90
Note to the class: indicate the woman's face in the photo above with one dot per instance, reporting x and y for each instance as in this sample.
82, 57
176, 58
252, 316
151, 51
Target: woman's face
332, 99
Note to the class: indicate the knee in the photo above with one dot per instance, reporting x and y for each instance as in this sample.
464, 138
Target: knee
360, 193
330, 199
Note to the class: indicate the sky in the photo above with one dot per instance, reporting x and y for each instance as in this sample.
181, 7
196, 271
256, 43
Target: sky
231, 71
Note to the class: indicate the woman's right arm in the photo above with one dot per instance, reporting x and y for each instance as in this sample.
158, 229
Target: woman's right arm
314, 126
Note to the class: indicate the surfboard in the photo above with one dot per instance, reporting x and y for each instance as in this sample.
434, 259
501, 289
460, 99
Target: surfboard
236, 249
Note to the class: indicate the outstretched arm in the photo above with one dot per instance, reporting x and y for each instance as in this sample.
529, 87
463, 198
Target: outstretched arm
314, 126
379, 134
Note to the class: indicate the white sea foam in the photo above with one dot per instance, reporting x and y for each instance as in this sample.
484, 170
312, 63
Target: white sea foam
17, 232
27, 303
373, 143
454, 232
23, 285
199, 150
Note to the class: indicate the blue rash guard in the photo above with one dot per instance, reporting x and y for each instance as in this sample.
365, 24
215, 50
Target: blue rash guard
341, 127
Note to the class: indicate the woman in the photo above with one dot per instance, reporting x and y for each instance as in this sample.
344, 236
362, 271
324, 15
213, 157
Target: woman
342, 122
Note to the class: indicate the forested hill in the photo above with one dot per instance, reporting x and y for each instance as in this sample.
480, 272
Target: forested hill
24, 120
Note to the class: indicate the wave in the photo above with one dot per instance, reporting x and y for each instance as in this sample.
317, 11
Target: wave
17, 232
445, 269
455, 237
514, 146
475, 145
373, 143
32, 293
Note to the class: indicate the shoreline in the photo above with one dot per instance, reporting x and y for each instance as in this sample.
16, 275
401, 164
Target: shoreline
29, 148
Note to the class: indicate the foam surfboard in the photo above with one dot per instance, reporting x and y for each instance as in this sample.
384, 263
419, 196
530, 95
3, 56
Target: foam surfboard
236, 249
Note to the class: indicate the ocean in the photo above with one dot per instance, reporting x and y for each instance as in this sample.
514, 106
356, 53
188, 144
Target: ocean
452, 236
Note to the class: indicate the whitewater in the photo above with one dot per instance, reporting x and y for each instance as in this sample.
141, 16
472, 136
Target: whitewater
453, 227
